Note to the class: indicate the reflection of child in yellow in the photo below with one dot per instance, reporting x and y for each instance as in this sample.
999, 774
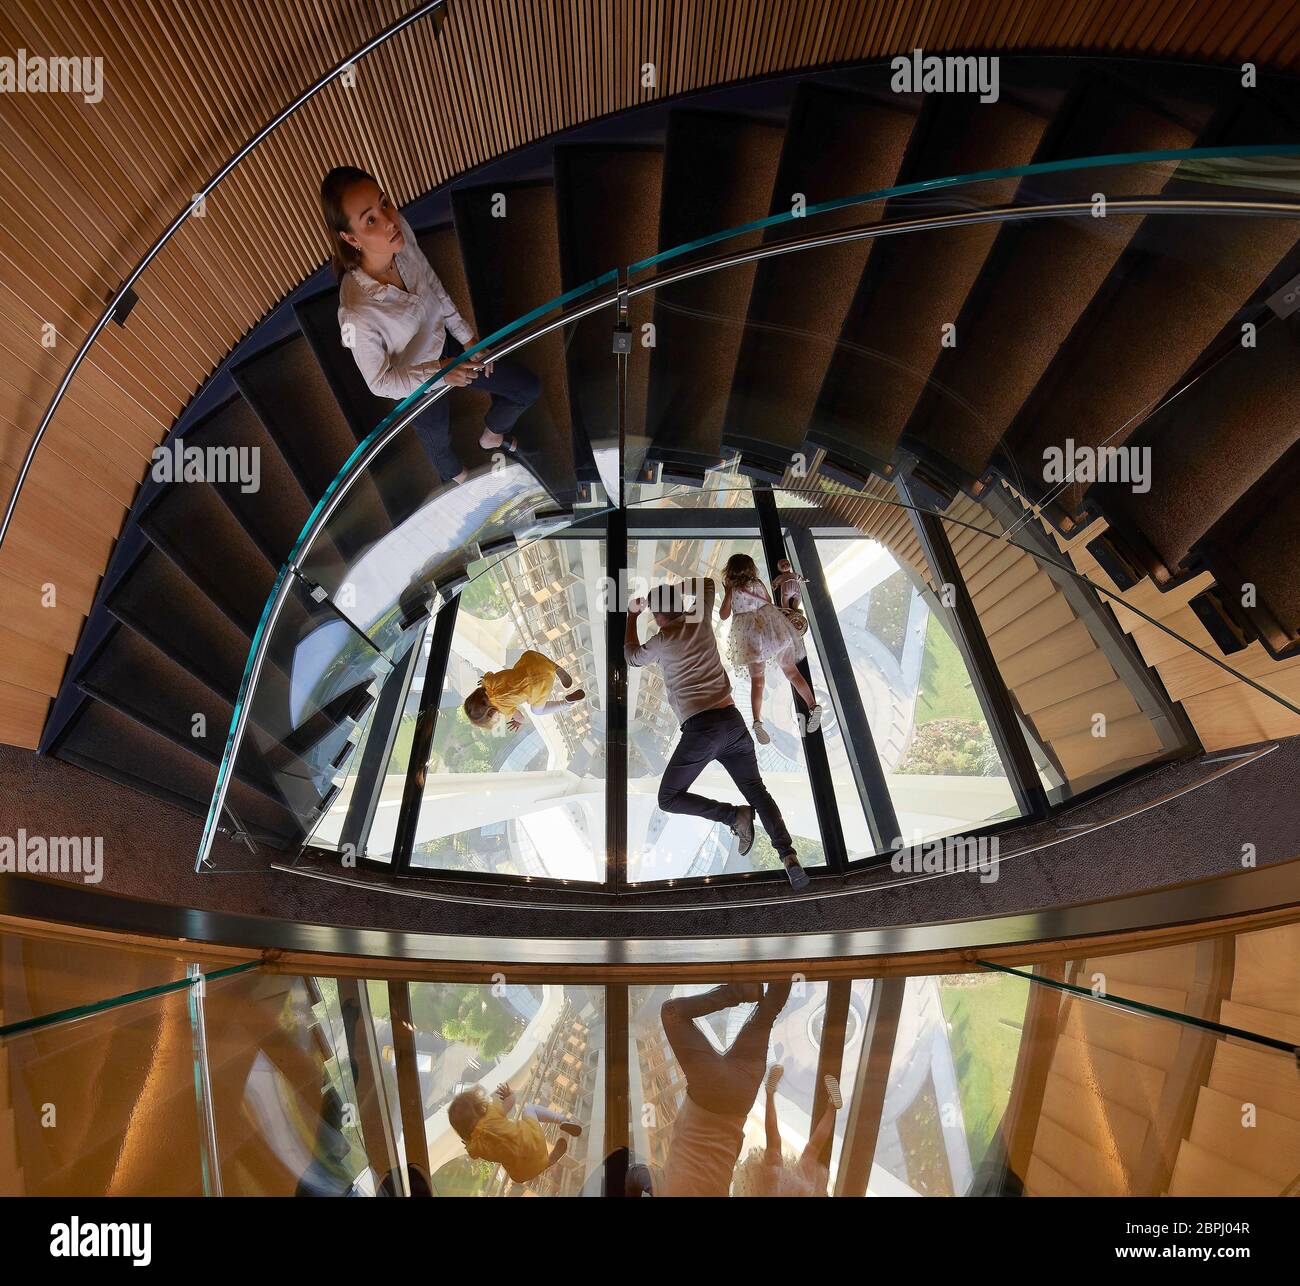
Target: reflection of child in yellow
528, 682
519, 1147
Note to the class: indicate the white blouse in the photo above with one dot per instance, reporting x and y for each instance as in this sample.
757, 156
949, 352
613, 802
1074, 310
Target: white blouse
397, 336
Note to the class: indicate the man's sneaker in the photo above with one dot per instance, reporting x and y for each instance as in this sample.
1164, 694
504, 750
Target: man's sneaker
797, 876
814, 720
761, 733
743, 828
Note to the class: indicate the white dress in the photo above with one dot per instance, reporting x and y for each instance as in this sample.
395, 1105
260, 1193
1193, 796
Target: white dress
760, 633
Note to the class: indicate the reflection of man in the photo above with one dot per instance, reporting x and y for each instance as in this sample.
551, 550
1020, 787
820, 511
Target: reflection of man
720, 1088
712, 729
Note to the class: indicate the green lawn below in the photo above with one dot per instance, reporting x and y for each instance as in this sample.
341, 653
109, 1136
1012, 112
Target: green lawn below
985, 1016
946, 690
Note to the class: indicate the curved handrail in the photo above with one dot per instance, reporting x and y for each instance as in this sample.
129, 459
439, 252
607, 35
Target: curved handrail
517, 336
172, 228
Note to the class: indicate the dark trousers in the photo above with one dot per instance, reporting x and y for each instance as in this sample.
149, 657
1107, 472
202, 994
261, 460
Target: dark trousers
720, 735
513, 389
723, 1083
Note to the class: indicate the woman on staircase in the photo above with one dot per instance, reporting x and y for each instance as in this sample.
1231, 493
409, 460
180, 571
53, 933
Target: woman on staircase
402, 326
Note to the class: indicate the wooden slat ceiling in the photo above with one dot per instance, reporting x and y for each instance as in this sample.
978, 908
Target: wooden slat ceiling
85, 189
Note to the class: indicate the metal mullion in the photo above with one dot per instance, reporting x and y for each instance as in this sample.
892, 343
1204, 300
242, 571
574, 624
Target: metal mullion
378, 750
410, 1097
972, 643
365, 1065
862, 1130
814, 747
616, 704
444, 627
864, 760
830, 1061
617, 1090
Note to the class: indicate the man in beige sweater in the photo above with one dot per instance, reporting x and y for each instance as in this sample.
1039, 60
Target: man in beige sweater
720, 1088
712, 729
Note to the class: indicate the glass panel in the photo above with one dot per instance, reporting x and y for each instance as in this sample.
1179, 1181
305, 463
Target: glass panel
282, 1129
105, 1106
1089, 707
954, 1064
710, 1115
319, 682
943, 770
398, 539
529, 802
664, 846
547, 1042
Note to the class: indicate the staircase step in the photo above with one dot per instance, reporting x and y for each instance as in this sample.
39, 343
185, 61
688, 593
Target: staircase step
607, 199
1214, 442
892, 333
1098, 1071
1083, 674
1127, 738
1040, 277
1267, 968
1036, 624
1107, 1125
107, 742
512, 265
203, 538
1007, 570
1042, 1181
1142, 1038
157, 599
1264, 1022
144, 683
837, 144
1114, 700
402, 476
1173, 968
1258, 542
290, 394
1097, 1173
719, 172
1201, 1173
276, 512
1270, 1148
1250, 1074
1045, 654
1200, 270
1015, 605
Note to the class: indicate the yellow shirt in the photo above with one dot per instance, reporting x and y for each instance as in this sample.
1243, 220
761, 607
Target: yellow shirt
527, 682
518, 1146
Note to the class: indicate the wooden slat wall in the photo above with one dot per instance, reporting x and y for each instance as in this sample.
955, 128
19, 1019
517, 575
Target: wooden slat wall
84, 190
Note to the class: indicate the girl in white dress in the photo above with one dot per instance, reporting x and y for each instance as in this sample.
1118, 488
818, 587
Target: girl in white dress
761, 633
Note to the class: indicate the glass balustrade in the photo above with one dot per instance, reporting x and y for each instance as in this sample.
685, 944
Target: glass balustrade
976, 664
1157, 1065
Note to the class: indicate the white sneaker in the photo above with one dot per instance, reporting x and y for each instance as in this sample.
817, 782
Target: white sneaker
760, 733
814, 719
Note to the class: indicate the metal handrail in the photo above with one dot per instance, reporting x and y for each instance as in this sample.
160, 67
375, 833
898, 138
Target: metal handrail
124, 289
366, 451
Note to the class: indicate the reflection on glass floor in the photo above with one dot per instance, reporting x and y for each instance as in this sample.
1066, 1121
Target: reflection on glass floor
1119, 1074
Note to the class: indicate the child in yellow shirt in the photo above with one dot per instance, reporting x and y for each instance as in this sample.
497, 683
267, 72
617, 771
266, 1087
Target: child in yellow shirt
519, 1147
528, 682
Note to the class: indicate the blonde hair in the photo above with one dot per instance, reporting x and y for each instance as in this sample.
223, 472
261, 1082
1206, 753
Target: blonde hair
466, 1110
